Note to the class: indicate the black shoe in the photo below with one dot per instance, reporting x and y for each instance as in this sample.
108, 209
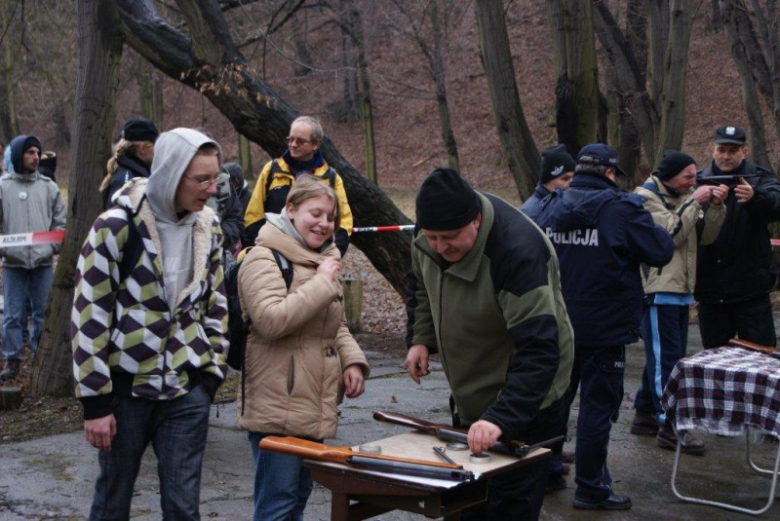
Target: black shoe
613, 502
555, 482
645, 424
689, 444
11, 369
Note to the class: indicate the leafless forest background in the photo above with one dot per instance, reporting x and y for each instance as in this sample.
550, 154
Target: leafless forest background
304, 62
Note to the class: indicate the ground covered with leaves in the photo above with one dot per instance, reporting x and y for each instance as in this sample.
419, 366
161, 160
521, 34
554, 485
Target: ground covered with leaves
46, 416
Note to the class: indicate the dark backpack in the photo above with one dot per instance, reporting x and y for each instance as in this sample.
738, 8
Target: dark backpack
238, 328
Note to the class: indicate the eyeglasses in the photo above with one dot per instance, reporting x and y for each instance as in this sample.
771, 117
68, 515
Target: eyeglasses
204, 185
297, 141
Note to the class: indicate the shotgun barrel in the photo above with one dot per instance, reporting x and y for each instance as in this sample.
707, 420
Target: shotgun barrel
729, 180
378, 462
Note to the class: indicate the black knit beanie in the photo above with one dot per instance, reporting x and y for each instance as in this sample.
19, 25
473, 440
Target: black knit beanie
555, 161
672, 164
139, 129
446, 201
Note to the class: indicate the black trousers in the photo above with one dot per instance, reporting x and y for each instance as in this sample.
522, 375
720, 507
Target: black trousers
518, 495
750, 320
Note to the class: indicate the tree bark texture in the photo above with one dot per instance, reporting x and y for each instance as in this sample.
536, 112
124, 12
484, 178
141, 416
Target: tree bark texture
657, 44
9, 126
577, 92
207, 60
150, 93
628, 74
100, 51
245, 157
675, 71
516, 140
748, 59
366, 106
439, 73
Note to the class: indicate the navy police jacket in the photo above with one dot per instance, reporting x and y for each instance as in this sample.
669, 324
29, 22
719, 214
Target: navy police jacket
532, 206
602, 235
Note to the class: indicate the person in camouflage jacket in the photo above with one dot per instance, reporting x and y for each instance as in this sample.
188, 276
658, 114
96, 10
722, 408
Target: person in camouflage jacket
149, 348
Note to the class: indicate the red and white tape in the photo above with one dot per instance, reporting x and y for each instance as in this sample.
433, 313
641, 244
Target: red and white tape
31, 239
391, 228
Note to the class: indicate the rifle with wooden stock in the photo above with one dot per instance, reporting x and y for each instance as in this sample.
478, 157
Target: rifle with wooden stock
745, 344
377, 462
447, 433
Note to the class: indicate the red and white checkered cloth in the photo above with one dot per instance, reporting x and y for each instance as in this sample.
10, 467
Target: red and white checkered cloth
725, 389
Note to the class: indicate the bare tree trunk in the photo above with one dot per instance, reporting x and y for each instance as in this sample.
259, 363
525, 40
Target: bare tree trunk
61, 128
207, 60
304, 56
657, 44
350, 106
513, 132
100, 51
151, 93
245, 157
741, 38
366, 107
658, 104
9, 125
439, 72
671, 102
630, 78
577, 94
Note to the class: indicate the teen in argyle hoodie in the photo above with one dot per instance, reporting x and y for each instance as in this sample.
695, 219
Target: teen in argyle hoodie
149, 350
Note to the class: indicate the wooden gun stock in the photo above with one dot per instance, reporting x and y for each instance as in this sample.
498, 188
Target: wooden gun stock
745, 344
378, 462
513, 448
313, 450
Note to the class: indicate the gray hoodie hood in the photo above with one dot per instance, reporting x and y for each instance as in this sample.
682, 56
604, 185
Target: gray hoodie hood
173, 152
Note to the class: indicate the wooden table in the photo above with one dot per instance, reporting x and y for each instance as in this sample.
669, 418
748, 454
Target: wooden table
360, 494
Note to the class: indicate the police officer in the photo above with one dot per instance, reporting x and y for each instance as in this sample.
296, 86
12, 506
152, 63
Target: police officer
601, 234
737, 272
556, 171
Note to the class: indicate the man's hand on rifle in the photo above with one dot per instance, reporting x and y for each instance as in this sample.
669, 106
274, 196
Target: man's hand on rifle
743, 191
417, 362
719, 194
482, 435
100, 432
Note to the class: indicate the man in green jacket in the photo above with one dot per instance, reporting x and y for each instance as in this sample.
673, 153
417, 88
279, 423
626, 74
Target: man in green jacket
484, 293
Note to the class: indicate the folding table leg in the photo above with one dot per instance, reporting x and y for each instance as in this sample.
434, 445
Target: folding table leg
727, 506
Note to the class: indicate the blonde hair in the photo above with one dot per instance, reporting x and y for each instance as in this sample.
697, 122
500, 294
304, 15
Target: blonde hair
122, 147
309, 187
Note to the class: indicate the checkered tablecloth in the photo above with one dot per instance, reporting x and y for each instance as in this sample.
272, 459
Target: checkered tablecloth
723, 390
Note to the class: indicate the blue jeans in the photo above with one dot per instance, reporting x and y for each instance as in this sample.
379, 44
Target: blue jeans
20, 287
177, 430
665, 335
599, 372
282, 484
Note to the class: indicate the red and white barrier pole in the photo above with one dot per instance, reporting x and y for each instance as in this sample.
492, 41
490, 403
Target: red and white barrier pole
392, 228
31, 239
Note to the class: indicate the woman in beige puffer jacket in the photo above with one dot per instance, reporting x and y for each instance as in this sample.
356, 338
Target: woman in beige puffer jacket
300, 357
